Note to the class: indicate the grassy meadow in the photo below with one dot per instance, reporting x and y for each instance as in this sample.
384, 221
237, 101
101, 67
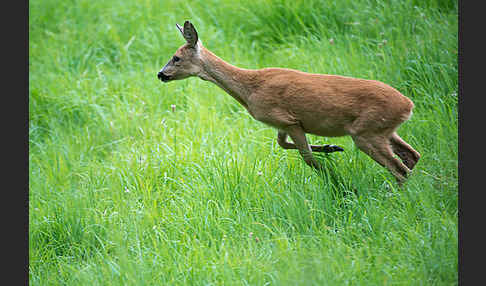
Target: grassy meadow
136, 182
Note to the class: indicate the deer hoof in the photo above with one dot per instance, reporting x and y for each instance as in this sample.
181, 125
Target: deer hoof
331, 148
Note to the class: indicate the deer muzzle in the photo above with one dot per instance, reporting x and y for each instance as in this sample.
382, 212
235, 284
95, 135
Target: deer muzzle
163, 77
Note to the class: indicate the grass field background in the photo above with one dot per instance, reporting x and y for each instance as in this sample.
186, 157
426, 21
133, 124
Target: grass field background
124, 190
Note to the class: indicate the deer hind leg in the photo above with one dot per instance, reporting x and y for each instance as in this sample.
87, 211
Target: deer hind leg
282, 141
403, 150
379, 149
300, 143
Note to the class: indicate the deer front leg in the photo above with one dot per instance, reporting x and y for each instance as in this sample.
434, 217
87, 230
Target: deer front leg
282, 141
298, 136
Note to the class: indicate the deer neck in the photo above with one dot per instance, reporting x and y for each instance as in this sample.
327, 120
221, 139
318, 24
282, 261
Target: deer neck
237, 82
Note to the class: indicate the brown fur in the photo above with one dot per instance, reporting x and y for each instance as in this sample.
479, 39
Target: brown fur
296, 103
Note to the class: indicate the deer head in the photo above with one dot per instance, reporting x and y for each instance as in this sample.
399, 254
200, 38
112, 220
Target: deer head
186, 60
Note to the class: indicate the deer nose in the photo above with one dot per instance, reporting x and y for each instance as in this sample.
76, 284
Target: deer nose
162, 76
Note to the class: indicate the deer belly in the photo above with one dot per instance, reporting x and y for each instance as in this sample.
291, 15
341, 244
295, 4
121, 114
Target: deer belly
324, 128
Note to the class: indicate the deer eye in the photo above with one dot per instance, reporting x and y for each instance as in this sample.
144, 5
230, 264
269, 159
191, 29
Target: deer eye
176, 59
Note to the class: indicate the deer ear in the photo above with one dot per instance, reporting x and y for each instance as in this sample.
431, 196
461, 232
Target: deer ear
190, 34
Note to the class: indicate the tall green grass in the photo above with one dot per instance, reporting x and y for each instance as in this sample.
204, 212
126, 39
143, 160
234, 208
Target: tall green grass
126, 191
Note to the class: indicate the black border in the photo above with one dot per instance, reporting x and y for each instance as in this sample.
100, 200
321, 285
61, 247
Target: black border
470, 217
15, 140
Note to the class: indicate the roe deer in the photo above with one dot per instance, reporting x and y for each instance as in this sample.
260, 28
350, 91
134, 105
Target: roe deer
297, 103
